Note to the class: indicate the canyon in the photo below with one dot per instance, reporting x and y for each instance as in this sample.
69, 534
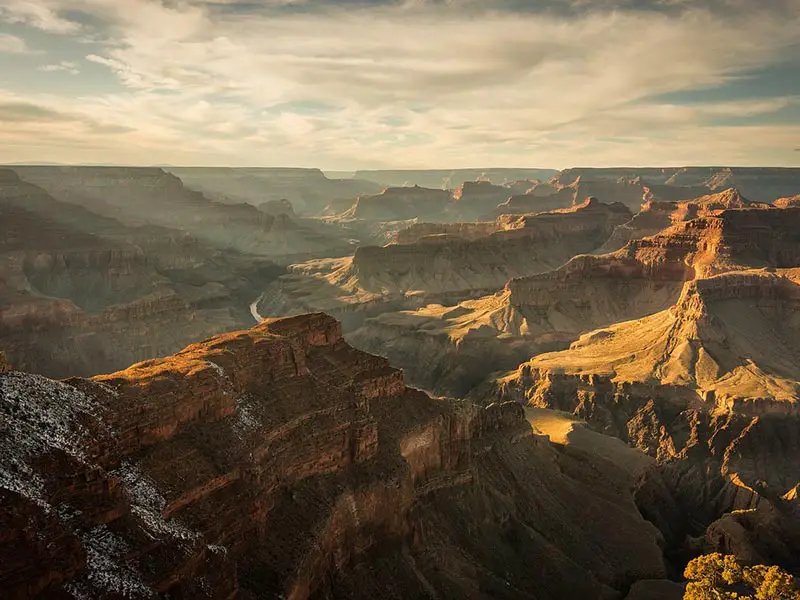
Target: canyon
82, 292
280, 462
451, 347
281, 383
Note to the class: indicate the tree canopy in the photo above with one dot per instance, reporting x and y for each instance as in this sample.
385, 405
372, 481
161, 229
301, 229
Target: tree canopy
718, 577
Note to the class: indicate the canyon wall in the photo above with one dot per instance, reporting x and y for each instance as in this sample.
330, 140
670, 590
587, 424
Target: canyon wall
82, 293
280, 462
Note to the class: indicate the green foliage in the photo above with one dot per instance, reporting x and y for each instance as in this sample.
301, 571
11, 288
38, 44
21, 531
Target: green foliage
718, 577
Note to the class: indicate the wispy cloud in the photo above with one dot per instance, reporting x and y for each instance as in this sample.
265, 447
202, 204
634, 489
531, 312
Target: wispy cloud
36, 14
64, 66
12, 44
429, 83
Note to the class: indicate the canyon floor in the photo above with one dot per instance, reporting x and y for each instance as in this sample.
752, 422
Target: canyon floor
255, 383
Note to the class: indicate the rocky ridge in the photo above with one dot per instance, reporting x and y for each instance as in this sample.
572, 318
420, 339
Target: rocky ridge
547, 311
710, 389
444, 268
760, 184
187, 476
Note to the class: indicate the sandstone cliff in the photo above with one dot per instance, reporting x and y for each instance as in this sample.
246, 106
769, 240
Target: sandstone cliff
523, 245
443, 268
280, 462
711, 389
655, 215
450, 347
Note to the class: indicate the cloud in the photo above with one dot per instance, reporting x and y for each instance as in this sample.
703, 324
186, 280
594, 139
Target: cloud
429, 83
36, 14
65, 66
12, 44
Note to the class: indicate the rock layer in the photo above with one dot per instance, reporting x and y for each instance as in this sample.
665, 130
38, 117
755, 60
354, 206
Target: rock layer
279, 462
710, 388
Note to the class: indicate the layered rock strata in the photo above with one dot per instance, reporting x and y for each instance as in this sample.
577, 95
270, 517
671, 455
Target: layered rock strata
450, 347
280, 462
82, 293
710, 388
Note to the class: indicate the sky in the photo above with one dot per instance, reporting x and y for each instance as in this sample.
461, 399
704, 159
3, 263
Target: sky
350, 84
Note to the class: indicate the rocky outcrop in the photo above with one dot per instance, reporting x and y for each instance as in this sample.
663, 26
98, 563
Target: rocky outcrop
450, 348
709, 388
280, 462
525, 244
149, 196
630, 192
440, 268
655, 216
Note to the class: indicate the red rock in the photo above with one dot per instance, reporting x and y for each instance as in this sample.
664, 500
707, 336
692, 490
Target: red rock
280, 462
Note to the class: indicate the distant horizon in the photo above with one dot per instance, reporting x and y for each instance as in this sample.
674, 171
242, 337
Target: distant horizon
410, 169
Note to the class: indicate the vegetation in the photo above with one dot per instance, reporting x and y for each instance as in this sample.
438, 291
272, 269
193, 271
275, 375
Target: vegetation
718, 577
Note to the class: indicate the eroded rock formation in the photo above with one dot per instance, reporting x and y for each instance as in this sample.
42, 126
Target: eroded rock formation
710, 389
449, 347
759, 184
522, 245
280, 462
399, 203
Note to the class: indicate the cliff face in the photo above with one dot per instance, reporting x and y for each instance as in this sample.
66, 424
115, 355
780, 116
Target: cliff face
80, 292
655, 216
710, 388
524, 245
451, 348
399, 203
280, 462
149, 196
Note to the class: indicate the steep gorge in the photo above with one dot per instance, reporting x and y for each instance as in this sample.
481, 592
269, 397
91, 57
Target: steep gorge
82, 293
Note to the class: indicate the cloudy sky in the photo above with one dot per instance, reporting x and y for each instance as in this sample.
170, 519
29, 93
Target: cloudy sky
345, 84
